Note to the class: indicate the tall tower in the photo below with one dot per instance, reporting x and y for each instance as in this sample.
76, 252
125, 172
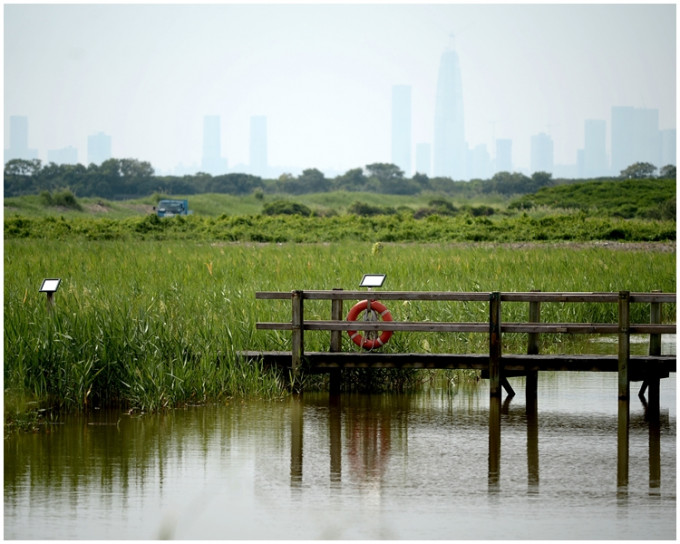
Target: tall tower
635, 137
258, 145
18, 140
401, 127
449, 129
542, 153
98, 148
503, 155
212, 161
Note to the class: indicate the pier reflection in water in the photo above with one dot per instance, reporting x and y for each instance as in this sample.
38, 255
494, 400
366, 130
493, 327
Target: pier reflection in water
444, 464
369, 420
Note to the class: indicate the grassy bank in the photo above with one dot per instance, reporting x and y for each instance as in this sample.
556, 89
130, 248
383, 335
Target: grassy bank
401, 227
150, 324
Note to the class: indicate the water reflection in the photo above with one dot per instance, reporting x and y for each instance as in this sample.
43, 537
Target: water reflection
368, 423
443, 464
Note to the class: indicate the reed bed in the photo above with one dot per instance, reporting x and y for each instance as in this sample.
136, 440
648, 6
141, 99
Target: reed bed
148, 325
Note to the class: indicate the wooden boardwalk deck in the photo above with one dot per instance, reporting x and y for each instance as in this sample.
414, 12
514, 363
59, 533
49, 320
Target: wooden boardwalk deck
513, 364
494, 364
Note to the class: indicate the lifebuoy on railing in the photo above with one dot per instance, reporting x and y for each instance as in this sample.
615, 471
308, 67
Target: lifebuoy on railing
379, 309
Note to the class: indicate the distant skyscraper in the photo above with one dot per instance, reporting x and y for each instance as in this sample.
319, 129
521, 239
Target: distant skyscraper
212, 161
449, 130
401, 127
258, 145
98, 148
594, 150
668, 149
67, 155
423, 158
635, 137
18, 140
542, 153
503, 155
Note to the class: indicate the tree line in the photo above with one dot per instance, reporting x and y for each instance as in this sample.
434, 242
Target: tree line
131, 178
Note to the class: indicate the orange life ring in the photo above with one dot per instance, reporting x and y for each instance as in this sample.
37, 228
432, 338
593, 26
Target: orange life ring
356, 337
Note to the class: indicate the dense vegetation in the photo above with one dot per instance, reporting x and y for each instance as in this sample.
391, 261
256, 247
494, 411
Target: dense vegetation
131, 178
642, 198
401, 227
158, 322
152, 325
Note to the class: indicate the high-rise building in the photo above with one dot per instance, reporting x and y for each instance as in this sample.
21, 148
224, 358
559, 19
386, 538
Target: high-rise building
503, 155
18, 140
98, 148
542, 159
258, 145
66, 155
423, 158
668, 149
594, 150
401, 127
635, 137
212, 161
449, 130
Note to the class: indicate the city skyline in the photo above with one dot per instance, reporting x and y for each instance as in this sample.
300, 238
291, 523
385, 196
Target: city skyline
635, 137
326, 97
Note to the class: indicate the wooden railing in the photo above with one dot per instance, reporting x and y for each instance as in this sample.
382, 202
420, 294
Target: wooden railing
495, 363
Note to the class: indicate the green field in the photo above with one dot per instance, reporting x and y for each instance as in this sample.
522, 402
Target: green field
151, 324
152, 312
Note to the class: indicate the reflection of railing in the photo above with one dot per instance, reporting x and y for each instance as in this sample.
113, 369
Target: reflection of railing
368, 437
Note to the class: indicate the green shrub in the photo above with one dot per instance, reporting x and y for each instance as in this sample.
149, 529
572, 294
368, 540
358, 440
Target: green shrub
284, 207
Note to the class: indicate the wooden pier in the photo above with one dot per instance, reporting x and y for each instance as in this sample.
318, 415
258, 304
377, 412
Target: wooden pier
495, 365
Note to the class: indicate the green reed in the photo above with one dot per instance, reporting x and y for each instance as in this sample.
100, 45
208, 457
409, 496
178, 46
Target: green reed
156, 324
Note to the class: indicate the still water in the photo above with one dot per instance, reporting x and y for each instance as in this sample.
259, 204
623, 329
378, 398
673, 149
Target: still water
419, 466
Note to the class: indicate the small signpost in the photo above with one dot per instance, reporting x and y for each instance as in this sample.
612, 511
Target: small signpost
372, 280
50, 286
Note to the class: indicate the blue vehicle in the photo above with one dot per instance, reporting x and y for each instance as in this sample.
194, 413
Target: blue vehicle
169, 208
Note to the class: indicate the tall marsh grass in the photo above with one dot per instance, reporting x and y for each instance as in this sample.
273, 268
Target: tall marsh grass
153, 324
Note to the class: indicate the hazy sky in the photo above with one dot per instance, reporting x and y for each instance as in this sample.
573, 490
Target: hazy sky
322, 74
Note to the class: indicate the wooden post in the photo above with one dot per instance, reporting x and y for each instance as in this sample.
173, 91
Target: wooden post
495, 344
494, 443
296, 441
297, 340
652, 379
532, 349
532, 447
50, 301
624, 389
335, 429
336, 343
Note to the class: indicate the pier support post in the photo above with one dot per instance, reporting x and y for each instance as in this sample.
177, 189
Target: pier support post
624, 389
296, 439
494, 444
297, 340
336, 343
495, 344
532, 349
652, 380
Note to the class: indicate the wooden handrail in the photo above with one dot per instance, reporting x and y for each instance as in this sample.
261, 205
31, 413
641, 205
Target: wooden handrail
494, 327
538, 296
427, 326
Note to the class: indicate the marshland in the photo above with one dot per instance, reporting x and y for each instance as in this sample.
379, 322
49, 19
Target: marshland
134, 372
